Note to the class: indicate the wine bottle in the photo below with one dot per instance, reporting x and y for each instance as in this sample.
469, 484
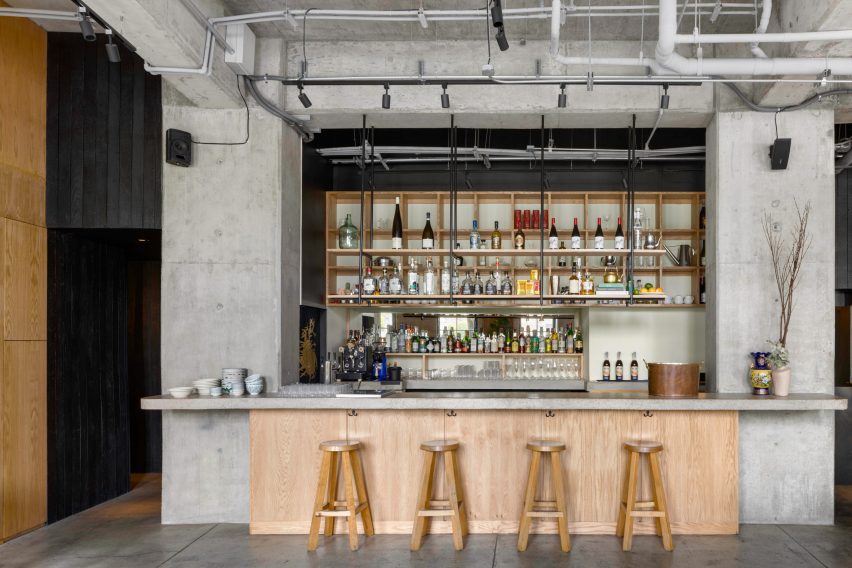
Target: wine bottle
475, 239
553, 237
702, 291
607, 368
575, 236
396, 234
702, 217
634, 368
619, 236
428, 235
599, 236
520, 238
619, 368
703, 253
578, 340
496, 238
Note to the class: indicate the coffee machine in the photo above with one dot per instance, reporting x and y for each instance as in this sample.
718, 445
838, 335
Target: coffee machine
357, 360
380, 363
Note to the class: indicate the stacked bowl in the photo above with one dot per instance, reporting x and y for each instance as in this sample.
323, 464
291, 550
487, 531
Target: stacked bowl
181, 392
203, 386
254, 384
233, 379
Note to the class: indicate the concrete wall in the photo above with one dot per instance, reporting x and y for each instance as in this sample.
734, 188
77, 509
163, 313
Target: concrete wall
786, 460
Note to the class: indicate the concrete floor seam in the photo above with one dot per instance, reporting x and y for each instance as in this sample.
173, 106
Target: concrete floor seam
805, 548
202, 535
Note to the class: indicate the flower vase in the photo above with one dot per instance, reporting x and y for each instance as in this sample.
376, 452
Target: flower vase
760, 374
781, 381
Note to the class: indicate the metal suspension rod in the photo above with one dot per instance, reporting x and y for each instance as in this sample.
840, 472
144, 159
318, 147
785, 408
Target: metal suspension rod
363, 184
542, 221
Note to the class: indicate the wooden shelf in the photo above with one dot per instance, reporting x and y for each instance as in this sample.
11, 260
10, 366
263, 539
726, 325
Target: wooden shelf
483, 355
376, 252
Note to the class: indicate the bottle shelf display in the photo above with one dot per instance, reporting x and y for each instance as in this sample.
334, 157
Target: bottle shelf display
674, 218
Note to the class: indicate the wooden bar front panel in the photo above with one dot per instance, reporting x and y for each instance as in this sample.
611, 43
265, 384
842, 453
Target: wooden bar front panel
699, 465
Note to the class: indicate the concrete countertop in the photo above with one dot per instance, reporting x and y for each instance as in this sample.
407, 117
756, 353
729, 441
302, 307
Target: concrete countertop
504, 401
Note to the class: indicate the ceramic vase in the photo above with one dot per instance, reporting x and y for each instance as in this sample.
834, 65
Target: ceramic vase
760, 374
781, 381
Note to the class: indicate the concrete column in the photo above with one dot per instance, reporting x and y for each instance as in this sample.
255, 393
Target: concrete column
786, 460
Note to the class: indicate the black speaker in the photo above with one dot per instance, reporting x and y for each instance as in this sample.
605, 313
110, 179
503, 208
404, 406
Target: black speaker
178, 147
779, 153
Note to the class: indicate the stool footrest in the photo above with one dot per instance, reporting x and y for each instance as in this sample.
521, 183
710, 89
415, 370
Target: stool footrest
345, 513
544, 514
647, 514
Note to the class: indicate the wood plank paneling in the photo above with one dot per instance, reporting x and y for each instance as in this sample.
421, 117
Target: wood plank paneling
24, 439
103, 138
24, 282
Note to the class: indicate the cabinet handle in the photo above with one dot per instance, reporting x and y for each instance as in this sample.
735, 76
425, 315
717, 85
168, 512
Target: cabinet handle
648, 414
550, 414
352, 413
451, 413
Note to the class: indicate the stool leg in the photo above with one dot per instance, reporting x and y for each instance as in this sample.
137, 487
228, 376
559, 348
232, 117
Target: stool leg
619, 527
421, 524
529, 498
366, 513
322, 487
460, 491
660, 498
452, 495
633, 474
332, 492
559, 489
349, 488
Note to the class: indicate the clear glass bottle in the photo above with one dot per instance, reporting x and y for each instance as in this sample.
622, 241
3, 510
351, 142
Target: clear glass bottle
368, 284
467, 285
413, 279
506, 287
395, 282
384, 282
347, 234
475, 239
491, 286
478, 287
445, 278
429, 279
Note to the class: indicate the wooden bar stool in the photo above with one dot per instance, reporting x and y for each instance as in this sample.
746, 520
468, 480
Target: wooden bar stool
326, 503
453, 506
630, 508
545, 509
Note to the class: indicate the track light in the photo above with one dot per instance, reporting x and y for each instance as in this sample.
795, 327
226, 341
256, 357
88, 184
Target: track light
386, 97
563, 98
445, 98
497, 14
502, 42
113, 54
306, 102
664, 99
468, 184
86, 25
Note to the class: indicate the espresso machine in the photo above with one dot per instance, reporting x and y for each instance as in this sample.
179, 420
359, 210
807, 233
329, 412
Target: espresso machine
357, 360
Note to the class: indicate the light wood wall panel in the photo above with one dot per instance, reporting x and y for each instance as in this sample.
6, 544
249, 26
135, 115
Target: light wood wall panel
24, 282
699, 465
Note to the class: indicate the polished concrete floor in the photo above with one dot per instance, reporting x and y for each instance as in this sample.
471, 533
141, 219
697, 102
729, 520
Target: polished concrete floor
126, 533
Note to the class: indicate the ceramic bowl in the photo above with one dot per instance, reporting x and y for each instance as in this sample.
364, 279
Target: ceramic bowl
181, 392
254, 388
216, 391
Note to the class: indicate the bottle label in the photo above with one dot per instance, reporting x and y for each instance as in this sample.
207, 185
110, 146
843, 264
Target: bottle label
466, 288
519, 241
491, 288
619, 242
445, 282
429, 284
507, 288
587, 285
574, 286
554, 242
396, 243
384, 287
599, 242
619, 372
575, 242
606, 373
369, 286
427, 243
634, 372
496, 243
395, 286
474, 242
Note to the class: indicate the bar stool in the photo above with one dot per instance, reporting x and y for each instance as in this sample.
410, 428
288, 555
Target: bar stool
326, 504
453, 506
630, 508
545, 509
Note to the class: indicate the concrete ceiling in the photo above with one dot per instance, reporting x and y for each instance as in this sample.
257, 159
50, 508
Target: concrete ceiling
603, 28
49, 25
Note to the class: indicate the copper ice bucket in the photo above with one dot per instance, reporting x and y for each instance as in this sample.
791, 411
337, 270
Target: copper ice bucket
673, 380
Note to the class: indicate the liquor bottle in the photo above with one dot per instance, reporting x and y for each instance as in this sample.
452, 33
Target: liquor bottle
548, 346
474, 342
634, 368
702, 289
516, 343
562, 261
501, 341
413, 279
619, 236
466, 343
637, 229
607, 369
599, 236
578, 340
569, 341
477, 283
702, 217
491, 286
400, 338
467, 285
429, 279
457, 344
522, 342
619, 368
445, 278
588, 285
496, 237
475, 239
458, 259
561, 343
520, 238
575, 236
415, 343
451, 340
396, 234
553, 237
368, 284
428, 239
384, 282
395, 282
483, 260
506, 285
574, 286
703, 254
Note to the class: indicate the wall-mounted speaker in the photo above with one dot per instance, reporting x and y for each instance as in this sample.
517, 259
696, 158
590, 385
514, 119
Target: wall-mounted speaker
779, 153
178, 147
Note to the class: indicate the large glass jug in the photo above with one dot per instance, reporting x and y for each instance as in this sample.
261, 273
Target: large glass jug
347, 235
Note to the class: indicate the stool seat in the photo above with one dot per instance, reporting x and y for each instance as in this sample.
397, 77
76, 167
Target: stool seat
545, 446
644, 446
340, 445
439, 445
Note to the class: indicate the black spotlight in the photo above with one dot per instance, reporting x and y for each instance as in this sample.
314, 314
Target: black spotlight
306, 102
497, 14
113, 53
86, 26
664, 99
502, 42
445, 98
563, 98
386, 97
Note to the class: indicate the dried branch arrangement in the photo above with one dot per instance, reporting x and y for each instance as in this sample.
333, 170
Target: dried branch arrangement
787, 263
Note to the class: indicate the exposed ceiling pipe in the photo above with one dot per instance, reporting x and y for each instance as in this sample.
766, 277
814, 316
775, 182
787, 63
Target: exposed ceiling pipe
292, 121
40, 14
206, 62
761, 29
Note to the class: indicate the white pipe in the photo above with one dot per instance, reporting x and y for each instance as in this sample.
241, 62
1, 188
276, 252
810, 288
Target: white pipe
666, 57
761, 29
40, 14
206, 62
792, 37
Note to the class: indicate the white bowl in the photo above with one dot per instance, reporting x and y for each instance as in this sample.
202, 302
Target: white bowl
181, 392
254, 389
